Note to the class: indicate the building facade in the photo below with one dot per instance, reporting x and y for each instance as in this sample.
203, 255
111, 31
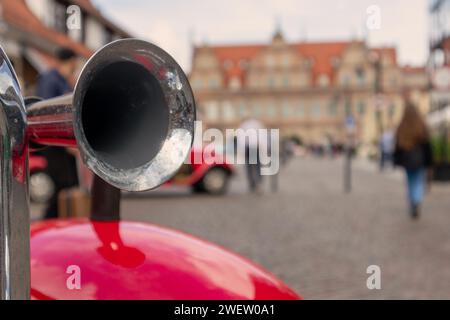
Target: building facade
439, 65
32, 30
308, 89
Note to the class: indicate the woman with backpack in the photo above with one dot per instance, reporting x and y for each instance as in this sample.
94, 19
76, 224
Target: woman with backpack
413, 153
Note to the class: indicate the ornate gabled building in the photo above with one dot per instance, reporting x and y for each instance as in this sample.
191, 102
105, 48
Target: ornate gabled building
32, 30
306, 89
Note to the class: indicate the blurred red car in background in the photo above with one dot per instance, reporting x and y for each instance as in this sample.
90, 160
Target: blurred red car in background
201, 176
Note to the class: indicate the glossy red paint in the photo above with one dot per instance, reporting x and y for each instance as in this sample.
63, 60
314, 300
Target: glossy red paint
199, 168
130, 260
37, 163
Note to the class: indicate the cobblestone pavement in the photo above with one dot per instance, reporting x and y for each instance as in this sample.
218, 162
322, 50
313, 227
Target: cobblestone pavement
316, 238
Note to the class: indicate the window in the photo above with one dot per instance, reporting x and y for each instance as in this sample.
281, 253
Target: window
361, 108
197, 84
287, 110
270, 61
228, 111
213, 83
316, 111
345, 79
393, 81
271, 82
235, 83
286, 61
228, 64
348, 108
212, 110
243, 112
300, 110
332, 109
286, 81
243, 64
271, 111
335, 62
360, 74
324, 81
257, 111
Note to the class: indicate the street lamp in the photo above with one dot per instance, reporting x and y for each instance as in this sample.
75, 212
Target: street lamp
375, 59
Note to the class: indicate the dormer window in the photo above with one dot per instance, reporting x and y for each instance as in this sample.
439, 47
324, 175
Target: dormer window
324, 80
345, 79
270, 61
360, 73
228, 64
235, 83
243, 64
335, 62
308, 63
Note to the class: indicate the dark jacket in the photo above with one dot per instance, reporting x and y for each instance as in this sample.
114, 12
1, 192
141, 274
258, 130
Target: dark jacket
419, 157
52, 84
61, 165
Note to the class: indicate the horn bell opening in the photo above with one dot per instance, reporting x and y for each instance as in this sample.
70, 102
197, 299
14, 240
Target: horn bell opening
134, 114
125, 118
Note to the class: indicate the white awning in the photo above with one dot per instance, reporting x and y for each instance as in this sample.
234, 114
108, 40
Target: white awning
438, 117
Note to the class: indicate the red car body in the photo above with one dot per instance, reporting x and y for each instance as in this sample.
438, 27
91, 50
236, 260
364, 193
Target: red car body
130, 260
37, 163
193, 173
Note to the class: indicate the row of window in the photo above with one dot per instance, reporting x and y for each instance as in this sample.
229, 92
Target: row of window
285, 81
229, 112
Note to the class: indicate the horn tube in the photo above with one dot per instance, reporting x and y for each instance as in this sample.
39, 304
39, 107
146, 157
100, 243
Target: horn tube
131, 115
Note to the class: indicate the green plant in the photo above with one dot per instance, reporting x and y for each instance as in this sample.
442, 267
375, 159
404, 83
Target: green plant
441, 149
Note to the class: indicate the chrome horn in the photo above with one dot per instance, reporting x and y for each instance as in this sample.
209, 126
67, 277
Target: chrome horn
131, 115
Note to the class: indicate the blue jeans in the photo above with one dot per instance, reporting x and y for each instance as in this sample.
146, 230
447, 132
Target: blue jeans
416, 185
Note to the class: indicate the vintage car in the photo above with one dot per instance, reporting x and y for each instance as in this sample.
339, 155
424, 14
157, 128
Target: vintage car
203, 176
131, 116
211, 178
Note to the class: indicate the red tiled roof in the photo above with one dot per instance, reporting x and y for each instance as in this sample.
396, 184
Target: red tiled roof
235, 54
320, 53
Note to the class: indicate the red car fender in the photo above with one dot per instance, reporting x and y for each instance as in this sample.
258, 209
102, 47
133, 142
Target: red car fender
130, 260
37, 163
199, 171
200, 166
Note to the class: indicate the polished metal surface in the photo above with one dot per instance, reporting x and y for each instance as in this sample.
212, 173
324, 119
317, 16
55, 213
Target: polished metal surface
14, 203
131, 116
169, 146
49, 122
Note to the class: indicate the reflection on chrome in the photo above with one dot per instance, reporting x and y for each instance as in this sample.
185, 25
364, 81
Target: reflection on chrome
131, 116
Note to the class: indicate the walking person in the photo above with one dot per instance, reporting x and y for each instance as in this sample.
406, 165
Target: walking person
61, 163
252, 157
413, 153
386, 148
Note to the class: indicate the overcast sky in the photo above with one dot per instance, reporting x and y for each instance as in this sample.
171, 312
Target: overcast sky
174, 24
